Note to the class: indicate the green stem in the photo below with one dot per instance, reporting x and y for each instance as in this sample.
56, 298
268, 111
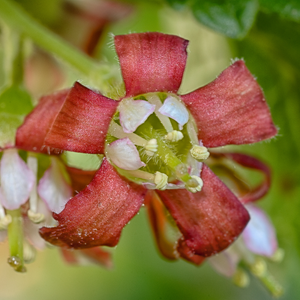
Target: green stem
15, 238
13, 56
18, 19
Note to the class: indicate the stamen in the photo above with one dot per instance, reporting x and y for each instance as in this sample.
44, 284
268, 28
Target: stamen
241, 278
141, 174
32, 213
194, 184
278, 255
117, 131
151, 147
174, 136
4, 219
192, 132
161, 180
259, 269
200, 153
35, 217
29, 253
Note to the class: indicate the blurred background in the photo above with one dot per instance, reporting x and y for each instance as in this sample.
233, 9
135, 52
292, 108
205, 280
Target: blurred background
267, 36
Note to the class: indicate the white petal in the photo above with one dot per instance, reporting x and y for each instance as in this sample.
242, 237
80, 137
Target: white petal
54, 189
16, 180
175, 110
224, 263
133, 113
124, 154
259, 235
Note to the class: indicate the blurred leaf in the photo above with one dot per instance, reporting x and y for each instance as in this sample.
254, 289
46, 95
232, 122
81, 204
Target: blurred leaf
15, 104
48, 13
288, 9
232, 18
271, 52
178, 4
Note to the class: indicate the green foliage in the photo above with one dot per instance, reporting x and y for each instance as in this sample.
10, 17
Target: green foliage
15, 104
235, 18
271, 52
287, 9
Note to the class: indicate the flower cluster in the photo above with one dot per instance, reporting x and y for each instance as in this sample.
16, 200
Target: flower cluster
158, 146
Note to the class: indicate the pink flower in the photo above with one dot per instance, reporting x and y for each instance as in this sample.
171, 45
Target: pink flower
151, 142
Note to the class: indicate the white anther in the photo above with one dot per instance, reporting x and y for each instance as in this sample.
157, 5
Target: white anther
200, 153
174, 136
5, 221
151, 147
195, 184
35, 217
161, 180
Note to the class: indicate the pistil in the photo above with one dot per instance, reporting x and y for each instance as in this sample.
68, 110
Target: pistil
193, 183
15, 238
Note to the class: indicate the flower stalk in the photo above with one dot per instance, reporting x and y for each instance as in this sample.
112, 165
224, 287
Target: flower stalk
15, 238
18, 19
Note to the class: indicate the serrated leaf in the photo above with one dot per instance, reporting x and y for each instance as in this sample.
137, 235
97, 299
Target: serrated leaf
15, 104
287, 9
231, 18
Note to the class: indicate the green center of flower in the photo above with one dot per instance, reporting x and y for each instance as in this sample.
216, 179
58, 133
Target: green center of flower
152, 140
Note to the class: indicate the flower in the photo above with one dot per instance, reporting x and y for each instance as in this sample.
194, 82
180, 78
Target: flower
258, 236
258, 240
151, 141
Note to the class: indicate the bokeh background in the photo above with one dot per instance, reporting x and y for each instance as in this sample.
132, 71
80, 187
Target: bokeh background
270, 46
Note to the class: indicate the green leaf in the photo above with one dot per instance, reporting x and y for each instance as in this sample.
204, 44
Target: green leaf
287, 9
178, 4
271, 52
15, 104
231, 18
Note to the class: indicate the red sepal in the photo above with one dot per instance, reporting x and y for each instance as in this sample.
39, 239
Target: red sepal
94, 255
97, 215
187, 254
83, 121
251, 162
80, 178
31, 134
158, 220
151, 62
210, 220
231, 109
